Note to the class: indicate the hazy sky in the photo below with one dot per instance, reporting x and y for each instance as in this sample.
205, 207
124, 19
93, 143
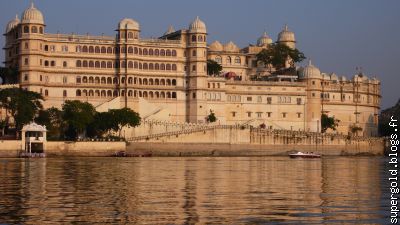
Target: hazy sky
337, 35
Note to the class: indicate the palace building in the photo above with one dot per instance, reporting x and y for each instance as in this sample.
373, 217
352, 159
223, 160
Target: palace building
166, 78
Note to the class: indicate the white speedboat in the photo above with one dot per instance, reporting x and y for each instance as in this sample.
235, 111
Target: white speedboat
305, 155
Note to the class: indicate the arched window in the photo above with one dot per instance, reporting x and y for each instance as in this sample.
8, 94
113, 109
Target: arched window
109, 93
97, 93
168, 67
173, 82
78, 63
115, 93
26, 29
168, 82
85, 49
136, 50
168, 94
135, 80
145, 94
162, 52
140, 81
162, 67
218, 59
145, 66
115, 80
130, 50
103, 80
174, 67
140, 51
162, 82
228, 60
123, 64
97, 49
103, 93
85, 63
84, 79
123, 80
151, 82
123, 50
156, 66
194, 53
151, 95
109, 64
64, 64
78, 93
151, 51
97, 64
109, 50
237, 60
91, 64
162, 94
173, 94
140, 66
136, 65
157, 81
130, 93
193, 38
130, 35
130, 64
91, 49
103, 64
173, 52
168, 53
41, 30
145, 81
78, 48
109, 80
97, 80
200, 38
34, 29
151, 66
157, 52
145, 52
157, 94
130, 80
91, 80
103, 50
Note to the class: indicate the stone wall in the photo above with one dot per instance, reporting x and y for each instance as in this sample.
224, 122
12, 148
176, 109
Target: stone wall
9, 148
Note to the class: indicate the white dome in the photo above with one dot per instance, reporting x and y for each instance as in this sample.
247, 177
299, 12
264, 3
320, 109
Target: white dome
128, 24
264, 40
231, 47
12, 24
325, 76
170, 30
216, 46
343, 78
197, 26
32, 15
286, 36
310, 71
334, 77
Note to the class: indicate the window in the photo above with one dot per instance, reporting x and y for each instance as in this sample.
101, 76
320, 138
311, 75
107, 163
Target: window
269, 114
194, 68
298, 101
237, 60
26, 61
194, 95
249, 99
193, 38
284, 115
78, 80
64, 64
26, 45
233, 114
26, 77
228, 60
40, 78
52, 48
46, 92
64, 48
34, 29
53, 63
313, 82
259, 98
64, 79
26, 29
269, 100
218, 59
41, 30
64, 93
248, 114
259, 114
298, 115
194, 53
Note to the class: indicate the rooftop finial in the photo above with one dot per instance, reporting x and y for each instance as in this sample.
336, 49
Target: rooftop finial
286, 27
309, 62
32, 5
16, 17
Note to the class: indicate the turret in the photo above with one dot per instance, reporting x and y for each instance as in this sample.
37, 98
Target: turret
287, 37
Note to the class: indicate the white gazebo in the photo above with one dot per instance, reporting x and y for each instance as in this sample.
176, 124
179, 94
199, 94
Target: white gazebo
33, 138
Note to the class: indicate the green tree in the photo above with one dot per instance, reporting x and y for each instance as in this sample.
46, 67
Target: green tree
77, 116
53, 120
328, 123
124, 117
103, 122
276, 55
211, 118
22, 105
213, 68
9, 75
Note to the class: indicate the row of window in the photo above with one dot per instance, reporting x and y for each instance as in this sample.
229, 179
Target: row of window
130, 50
131, 93
199, 38
34, 29
267, 114
123, 64
214, 85
131, 80
281, 99
228, 60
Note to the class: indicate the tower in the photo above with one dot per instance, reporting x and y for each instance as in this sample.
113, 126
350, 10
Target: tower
197, 71
312, 76
287, 38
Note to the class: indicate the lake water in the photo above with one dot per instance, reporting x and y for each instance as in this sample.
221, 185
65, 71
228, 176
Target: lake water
224, 190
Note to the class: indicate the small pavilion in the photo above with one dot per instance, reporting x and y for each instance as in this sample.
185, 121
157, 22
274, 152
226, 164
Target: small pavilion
33, 138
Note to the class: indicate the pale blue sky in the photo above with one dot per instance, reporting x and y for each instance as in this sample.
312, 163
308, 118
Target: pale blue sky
337, 35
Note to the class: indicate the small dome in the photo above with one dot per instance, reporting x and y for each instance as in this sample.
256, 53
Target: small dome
310, 71
197, 26
170, 30
325, 76
32, 15
216, 46
12, 24
343, 78
128, 24
231, 47
264, 40
334, 77
286, 35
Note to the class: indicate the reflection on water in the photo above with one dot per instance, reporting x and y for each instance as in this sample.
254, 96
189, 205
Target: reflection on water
238, 190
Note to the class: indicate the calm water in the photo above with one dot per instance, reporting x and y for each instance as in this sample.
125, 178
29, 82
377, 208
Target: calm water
226, 190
